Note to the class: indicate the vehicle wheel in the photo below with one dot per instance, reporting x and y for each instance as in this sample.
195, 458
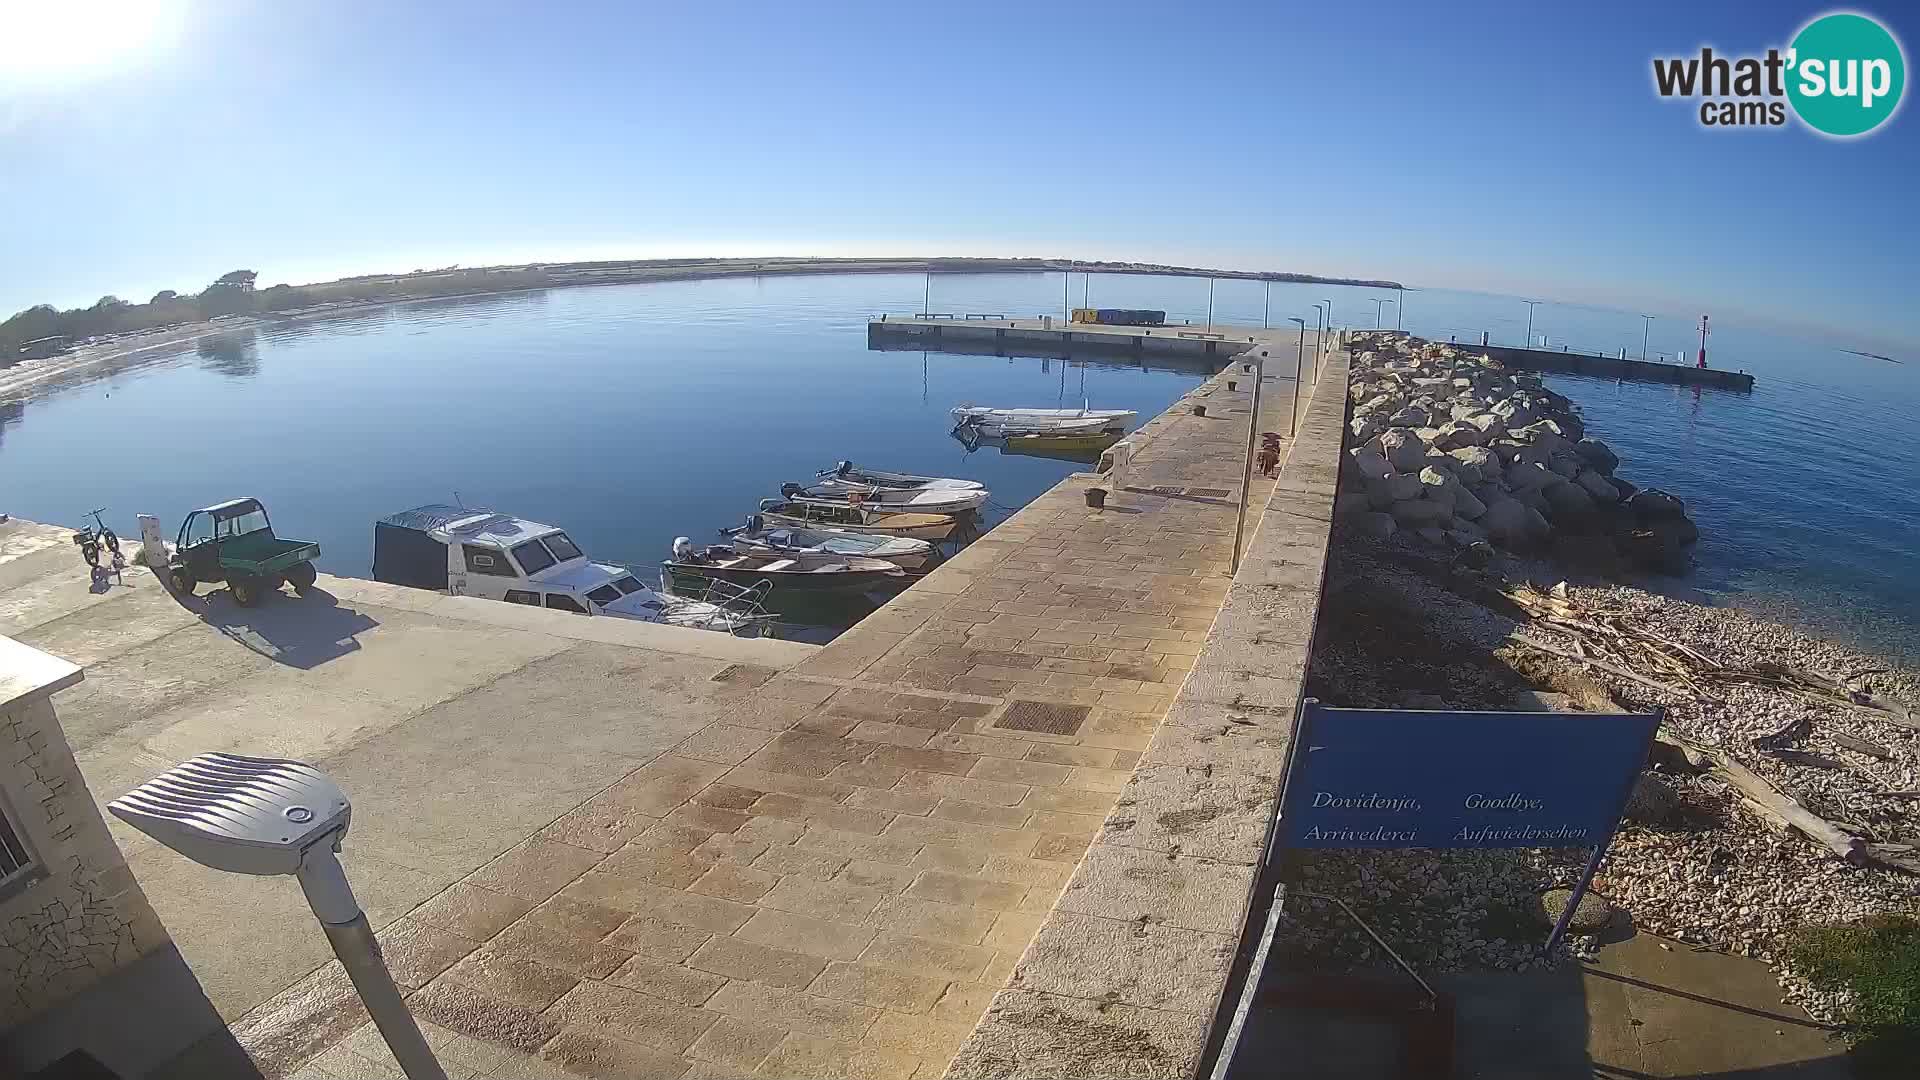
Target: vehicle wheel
302, 577
90, 551
183, 582
245, 590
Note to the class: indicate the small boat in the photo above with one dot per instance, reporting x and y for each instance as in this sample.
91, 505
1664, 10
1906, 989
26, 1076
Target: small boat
845, 517
928, 501
1041, 421
757, 535
811, 570
1082, 448
846, 471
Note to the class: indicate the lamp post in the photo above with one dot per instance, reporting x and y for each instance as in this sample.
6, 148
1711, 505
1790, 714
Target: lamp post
1646, 328
1393, 302
926, 296
1376, 311
1400, 309
1209, 305
1266, 308
1293, 417
1066, 279
1246, 476
1320, 330
1530, 306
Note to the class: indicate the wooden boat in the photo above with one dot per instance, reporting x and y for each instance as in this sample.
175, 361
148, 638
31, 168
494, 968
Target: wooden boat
810, 570
928, 501
846, 471
1082, 448
1041, 421
758, 535
845, 517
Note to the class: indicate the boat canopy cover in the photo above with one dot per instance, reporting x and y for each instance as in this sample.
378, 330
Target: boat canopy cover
405, 553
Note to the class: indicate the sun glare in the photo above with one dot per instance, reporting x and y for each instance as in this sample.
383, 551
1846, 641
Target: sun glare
59, 41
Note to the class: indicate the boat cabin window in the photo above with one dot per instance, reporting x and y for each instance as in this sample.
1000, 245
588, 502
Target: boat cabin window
562, 546
627, 585
533, 558
564, 602
605, 594
522, 596
483, 560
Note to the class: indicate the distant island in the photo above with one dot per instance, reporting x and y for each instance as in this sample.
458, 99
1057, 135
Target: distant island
44, 330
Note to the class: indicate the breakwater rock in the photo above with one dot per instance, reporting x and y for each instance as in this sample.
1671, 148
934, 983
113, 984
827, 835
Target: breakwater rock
1457, 450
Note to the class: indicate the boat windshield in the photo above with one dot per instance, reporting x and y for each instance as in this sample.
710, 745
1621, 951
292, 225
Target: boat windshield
627, 585
561, 545
605, 594
533, 558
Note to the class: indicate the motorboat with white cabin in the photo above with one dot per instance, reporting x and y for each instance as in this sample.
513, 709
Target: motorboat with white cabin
465, 551
842, 516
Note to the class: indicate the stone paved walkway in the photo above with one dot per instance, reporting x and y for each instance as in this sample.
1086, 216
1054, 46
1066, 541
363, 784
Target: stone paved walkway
835, 878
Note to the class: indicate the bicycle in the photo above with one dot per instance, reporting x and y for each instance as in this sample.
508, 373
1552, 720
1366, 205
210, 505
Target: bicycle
90, 539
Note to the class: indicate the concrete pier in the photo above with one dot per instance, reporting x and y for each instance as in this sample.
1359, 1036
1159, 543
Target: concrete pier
1007, 825
1554, 361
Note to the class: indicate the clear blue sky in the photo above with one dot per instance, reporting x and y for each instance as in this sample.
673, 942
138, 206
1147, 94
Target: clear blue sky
1515, 148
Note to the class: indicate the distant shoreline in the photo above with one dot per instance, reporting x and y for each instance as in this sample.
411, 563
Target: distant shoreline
17, 381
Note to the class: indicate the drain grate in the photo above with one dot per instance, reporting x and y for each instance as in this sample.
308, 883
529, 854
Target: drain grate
749, 675
1155, 490
1043, 716
1210, 493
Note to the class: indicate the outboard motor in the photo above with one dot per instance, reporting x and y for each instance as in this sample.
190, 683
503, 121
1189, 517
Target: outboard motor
683, 549
842, 469
768, 504
756, 523
791, 491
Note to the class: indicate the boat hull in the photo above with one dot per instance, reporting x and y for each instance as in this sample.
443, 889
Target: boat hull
792, 580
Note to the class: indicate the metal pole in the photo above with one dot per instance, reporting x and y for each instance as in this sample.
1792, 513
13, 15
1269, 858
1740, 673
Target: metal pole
325, 884
1246, 476
1267, 306
1400, 311
1579, 891
1329, 304
1086, 286
1646, 328
1209, 305
926, 296
1293, 418
1530, 305
1066, 278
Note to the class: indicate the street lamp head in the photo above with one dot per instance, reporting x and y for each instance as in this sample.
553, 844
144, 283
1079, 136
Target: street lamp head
1302, 322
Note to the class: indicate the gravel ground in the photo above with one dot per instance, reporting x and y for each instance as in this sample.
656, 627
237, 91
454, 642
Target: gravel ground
1399, 630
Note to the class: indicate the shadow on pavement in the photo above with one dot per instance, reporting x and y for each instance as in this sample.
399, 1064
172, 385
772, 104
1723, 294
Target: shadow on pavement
298, 631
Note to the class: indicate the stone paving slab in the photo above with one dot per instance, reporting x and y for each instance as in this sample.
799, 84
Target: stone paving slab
838, 875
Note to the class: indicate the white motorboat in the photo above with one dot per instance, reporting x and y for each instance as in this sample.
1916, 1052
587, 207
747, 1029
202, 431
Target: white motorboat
469, 552
986, 421
847, 472
814, 571
759, 535
931, 501
842, 516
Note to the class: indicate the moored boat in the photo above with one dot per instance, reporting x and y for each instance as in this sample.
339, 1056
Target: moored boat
844, 517
809, 570
847, 471
923, 500
757, 535
987, 421
471, 552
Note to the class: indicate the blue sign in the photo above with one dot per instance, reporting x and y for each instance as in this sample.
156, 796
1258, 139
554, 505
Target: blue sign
1372, 778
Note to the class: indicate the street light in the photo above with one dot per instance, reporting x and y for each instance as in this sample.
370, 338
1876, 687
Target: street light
1530, 305
1209, 305
1646, 328
1376, 311
1329, 304
1400, 309
1293, 418
1266, 308
1320, 331
1395, 303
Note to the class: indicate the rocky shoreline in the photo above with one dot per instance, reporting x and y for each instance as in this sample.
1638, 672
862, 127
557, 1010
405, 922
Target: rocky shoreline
1458, 451
1416, 615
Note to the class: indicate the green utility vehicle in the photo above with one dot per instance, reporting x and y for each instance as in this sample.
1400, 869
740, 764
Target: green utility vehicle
234, 542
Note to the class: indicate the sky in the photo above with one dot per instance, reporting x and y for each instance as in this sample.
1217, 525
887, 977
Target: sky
1514, 148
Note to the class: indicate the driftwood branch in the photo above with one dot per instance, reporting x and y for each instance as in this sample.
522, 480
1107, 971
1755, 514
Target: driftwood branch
1772, 805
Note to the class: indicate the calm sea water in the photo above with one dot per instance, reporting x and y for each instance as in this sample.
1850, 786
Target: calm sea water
633, 414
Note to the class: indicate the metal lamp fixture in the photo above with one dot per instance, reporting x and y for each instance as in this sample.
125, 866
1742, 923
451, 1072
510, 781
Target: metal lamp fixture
268, 816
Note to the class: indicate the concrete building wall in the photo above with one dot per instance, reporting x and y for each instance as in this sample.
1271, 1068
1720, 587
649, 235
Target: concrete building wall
77, 916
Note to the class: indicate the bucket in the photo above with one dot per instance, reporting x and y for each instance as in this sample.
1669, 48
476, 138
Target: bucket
1231, 385
1096, 497
1199, 409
